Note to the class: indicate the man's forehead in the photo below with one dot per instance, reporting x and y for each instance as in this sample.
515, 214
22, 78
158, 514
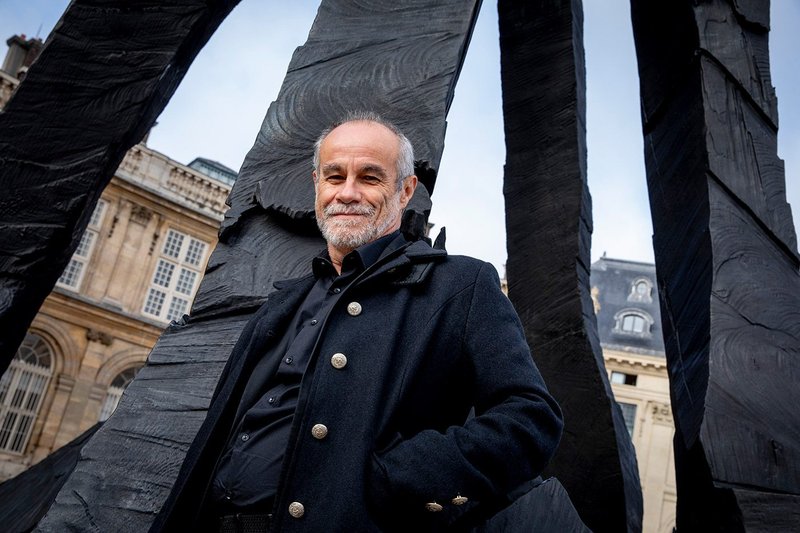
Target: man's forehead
364, 134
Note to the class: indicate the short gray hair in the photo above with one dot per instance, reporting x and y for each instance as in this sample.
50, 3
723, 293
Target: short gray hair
405, 156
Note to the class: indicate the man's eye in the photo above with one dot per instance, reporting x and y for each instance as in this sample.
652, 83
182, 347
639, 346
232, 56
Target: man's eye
372, 179
335, 177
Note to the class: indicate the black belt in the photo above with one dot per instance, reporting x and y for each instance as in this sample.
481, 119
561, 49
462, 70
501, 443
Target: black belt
244, 523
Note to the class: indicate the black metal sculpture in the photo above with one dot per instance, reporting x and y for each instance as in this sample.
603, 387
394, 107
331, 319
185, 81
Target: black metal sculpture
726, 259
544, 110
89, 97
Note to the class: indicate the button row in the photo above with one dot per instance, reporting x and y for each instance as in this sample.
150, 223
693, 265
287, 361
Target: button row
320, 431
434, 507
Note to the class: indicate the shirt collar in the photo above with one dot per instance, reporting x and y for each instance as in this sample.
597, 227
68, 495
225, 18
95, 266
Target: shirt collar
358, 260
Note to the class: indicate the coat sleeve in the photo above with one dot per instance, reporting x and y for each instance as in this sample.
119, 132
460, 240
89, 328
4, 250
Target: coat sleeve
514, 433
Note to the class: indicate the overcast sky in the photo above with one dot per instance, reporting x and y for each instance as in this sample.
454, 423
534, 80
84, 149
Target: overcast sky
218, 109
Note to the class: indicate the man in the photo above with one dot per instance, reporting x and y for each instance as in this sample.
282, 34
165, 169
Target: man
346, 404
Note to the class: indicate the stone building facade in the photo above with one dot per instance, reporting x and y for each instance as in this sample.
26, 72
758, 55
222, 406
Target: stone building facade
138, 266
629, 324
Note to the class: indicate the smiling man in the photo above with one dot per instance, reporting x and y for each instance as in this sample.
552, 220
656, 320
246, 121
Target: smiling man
391, 389
360, 194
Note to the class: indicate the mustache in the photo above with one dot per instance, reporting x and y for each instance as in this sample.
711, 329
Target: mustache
347, 209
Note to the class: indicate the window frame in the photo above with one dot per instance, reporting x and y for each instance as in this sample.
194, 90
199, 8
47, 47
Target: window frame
20, 406
115, 390
176, 276
82, 256
620, 321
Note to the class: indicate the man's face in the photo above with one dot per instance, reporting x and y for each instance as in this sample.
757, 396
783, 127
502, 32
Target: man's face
357, 199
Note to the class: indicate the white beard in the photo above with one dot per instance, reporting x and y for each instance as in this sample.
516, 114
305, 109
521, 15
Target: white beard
350, 233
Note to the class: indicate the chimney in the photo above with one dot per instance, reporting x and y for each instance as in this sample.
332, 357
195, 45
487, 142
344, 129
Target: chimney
21, 53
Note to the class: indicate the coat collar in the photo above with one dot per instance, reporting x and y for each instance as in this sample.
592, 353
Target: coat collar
402, 263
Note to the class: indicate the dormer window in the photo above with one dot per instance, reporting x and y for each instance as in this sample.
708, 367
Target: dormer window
633, 322
641, 291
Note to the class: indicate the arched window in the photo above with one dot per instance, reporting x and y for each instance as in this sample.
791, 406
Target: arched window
115, 390
21, 390
633, 322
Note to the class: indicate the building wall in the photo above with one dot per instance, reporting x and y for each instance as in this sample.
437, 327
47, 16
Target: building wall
637, 369
652, 432
97, 324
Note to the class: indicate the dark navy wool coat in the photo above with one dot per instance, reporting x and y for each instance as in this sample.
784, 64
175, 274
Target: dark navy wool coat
439, 399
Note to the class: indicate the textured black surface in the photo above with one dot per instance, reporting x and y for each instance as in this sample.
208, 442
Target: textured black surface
104, 75
400, 60
543, 509
548, 222
27, 497
726, 260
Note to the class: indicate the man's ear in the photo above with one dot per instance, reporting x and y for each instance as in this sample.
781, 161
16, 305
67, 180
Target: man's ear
407, 189
314, 177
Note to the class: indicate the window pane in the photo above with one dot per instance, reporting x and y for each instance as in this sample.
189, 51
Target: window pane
627, 323
22, 388
85, 246
5, 430
177, 308
634, 324
5, 382
72, 273
155, 300
110, 403
97, 214
186, 282
124, 378
618, 378
173, 244
629, 415
195, 252
163, 274
115, 390
20, 436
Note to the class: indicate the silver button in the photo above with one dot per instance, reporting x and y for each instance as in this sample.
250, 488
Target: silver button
319, 431
339, 361
354, 308
459, 500
296, 509
433, 507
245, 437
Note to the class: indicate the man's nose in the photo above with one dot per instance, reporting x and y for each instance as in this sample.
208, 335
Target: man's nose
350, 191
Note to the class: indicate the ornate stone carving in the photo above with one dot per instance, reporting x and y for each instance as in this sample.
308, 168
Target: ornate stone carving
140, 214
103, 338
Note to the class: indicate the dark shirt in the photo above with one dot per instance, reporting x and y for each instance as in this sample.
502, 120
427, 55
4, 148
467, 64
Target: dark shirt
247, 476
